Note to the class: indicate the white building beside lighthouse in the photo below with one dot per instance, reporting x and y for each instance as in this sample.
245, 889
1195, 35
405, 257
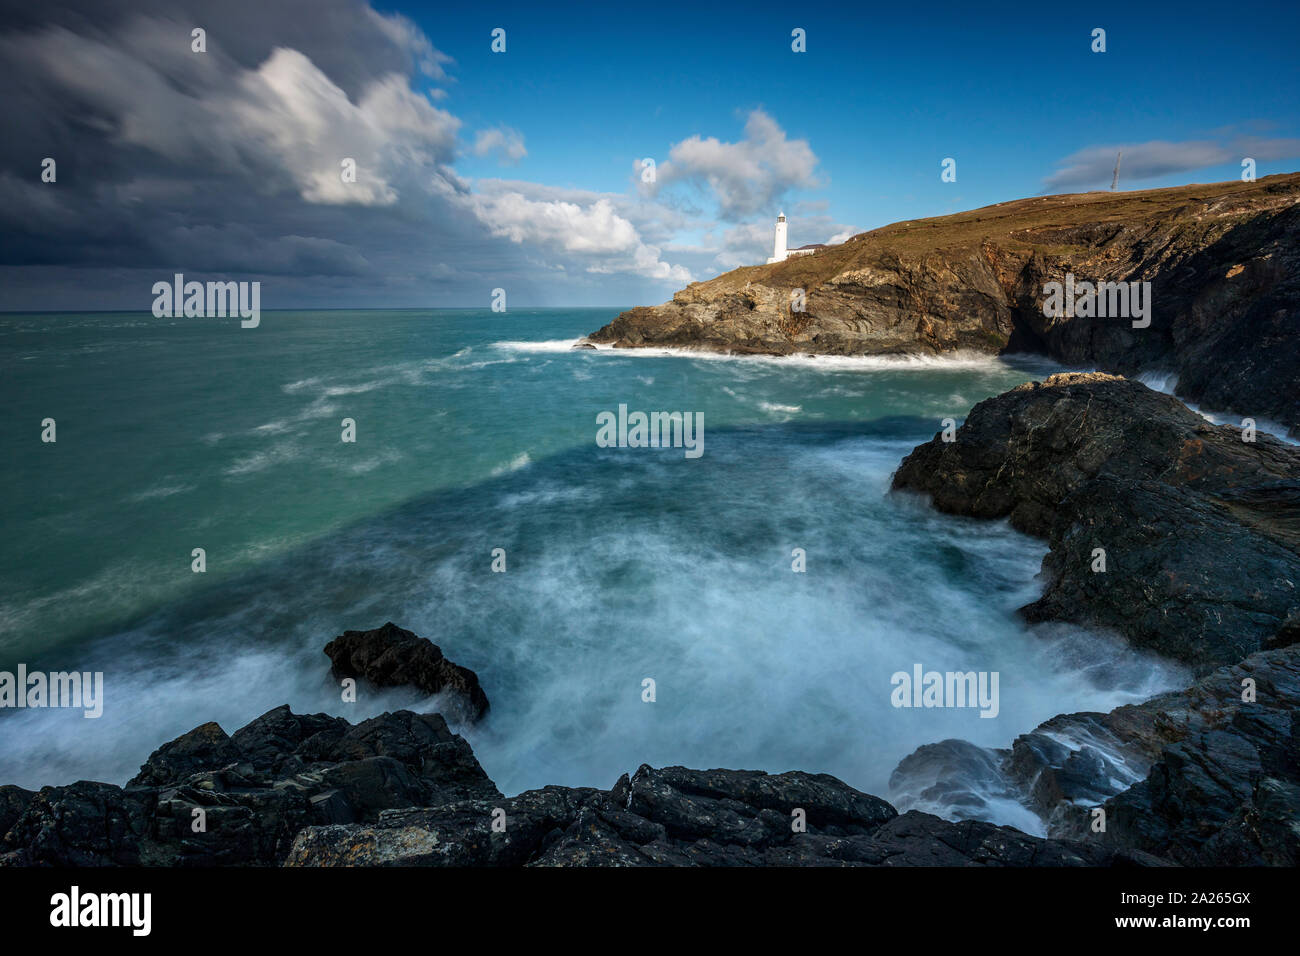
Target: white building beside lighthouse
779, 251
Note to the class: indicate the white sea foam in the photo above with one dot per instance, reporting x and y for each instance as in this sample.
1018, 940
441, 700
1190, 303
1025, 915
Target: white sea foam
552, 345
519, 461
755, 666
958, 360
161, 491
1167, 382
277, 454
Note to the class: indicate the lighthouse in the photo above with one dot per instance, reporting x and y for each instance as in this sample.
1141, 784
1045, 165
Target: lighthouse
778, 248
779, 251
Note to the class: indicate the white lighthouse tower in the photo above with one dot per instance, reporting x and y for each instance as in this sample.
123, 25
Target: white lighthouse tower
778, 249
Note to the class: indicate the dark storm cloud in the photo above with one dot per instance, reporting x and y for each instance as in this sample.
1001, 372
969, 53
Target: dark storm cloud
226, 161
346, 39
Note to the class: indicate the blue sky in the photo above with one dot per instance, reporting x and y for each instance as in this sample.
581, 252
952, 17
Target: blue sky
881, 97
517, 170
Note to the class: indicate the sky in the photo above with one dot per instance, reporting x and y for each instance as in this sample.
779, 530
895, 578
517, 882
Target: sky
524, 169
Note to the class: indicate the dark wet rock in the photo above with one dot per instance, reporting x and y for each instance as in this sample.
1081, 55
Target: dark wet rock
1200, 529
1198, 776
389, 656
443, 762
203, 747
402, 790
1072, 761
679, 817
281, 742
920, 839
255, 790
1225, 789
1223, 261
86, 824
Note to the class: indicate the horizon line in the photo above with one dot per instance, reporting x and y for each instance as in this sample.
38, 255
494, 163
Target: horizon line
392, 308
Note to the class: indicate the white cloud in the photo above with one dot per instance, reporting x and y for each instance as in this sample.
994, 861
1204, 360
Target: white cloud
308, 126
571, 227
407, 36
581, 226
506, 142
1093, 168
745, 178
285, 120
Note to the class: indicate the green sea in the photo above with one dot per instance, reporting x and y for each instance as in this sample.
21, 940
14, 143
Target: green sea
476, 431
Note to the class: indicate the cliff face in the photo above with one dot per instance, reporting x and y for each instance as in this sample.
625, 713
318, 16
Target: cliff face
1223, 261
1199, 534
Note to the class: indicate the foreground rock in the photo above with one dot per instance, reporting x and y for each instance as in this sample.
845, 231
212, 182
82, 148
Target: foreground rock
1223, 784
255, 789
400, 789
1223, 261
1198, 776
680, 817
1200, 529
389, 656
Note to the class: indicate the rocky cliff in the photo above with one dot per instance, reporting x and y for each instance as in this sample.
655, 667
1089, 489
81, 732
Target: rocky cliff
1223, 261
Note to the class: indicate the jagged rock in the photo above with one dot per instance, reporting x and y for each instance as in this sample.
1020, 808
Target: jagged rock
389, 656
256, 790
680, 817
1200, 529
1223, 261
86, 824
281, 742
203, 747
1075, 760
402, 790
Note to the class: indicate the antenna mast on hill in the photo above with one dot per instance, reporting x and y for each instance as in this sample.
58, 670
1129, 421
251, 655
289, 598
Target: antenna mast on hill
1115, 180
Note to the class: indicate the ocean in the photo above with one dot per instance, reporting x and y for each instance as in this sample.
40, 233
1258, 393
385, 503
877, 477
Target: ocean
476, 431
